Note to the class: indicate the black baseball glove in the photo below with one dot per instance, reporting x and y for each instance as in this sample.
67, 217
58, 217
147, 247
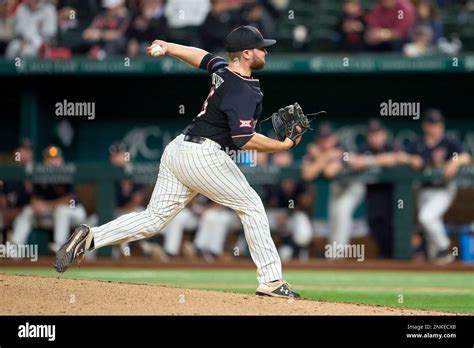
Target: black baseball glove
286, 121
291, 122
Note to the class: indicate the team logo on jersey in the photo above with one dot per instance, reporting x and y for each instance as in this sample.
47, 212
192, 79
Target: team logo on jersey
216, 80
245, 124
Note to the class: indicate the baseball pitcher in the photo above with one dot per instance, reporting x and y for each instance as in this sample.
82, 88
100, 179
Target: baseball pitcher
194, 162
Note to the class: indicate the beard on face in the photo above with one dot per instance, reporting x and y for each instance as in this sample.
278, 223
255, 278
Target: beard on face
257, 63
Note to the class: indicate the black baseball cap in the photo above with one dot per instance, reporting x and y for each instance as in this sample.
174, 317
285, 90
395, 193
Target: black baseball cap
374, 126
246, 38
433, 116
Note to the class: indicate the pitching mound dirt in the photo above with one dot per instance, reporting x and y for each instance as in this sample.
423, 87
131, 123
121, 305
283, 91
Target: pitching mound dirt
32, 295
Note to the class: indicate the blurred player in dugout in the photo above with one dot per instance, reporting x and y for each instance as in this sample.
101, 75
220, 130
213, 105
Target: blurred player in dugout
212, 223
289, 206
129, 196
14, 196
51, 206
324, 158
434, 149
379, 150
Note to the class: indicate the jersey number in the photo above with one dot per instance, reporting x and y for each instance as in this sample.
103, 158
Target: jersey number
206, 102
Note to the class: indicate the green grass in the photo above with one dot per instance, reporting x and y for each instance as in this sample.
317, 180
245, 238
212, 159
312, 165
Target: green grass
442, 291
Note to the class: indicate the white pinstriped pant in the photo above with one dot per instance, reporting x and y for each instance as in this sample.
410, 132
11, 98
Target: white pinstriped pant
187, 169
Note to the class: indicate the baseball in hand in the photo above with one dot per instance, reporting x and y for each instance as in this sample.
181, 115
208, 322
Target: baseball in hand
156, 50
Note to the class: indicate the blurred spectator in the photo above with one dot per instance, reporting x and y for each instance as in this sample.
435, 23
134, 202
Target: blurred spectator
389, 24
84, 9
186, 13
106, 32
379, 151
252, 14
422, 43
15, 195
427, 16
147, 25
258, 14
50, 202
436, 150
392, 25
7, 25
218, 23
351, 27
35, 28
71, 12
428, 30
325, 158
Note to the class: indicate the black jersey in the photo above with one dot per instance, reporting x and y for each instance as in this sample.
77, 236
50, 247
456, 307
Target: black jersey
232, 108
50, 192
437, 154
388, 147
124, 191
18, 194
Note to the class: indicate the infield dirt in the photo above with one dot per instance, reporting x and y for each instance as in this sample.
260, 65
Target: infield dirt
33, 295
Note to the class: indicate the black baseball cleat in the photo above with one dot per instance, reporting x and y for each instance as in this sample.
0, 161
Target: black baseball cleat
74, 249
277, 288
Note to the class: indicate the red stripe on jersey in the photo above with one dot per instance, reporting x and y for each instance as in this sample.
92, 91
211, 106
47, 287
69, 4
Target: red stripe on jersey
243, 135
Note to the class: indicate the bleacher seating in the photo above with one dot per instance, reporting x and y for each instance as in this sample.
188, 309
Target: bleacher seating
321, 17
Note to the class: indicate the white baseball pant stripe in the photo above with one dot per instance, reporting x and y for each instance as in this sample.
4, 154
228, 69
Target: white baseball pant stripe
187, 169
433, 203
